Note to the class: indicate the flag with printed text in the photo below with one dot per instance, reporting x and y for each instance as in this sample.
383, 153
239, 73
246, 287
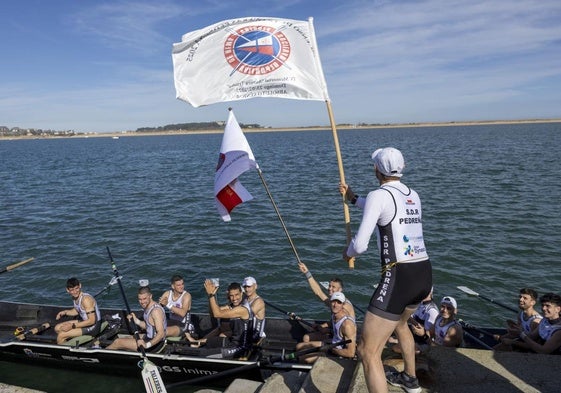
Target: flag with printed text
251, 57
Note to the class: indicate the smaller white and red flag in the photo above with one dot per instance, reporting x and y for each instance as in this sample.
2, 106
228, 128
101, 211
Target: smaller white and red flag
235, 158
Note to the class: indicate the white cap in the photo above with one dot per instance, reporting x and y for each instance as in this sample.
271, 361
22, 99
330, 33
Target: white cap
389, 161
338, 296
248, 281
449, 300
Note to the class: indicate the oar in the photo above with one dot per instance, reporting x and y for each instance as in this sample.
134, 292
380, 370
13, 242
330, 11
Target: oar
151, 377
473, 293
290, 315
246, 367
112, 282
13, 266
23, 335
482, 331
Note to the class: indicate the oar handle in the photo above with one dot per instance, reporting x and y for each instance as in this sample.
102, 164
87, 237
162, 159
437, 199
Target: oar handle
18, 264
290, 315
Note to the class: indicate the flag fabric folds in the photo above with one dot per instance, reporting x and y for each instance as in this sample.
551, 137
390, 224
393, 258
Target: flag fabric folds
246, 58
235, 158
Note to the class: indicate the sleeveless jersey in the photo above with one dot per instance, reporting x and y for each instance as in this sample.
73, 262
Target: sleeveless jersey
257, 324
82, 312
150, 329
546, 328
178, 304
241, 330
441, 331
527, 324
336, 329
426, 314
401, 240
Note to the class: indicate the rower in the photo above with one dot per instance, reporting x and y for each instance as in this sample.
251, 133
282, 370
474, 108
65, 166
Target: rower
256, 307
446, 331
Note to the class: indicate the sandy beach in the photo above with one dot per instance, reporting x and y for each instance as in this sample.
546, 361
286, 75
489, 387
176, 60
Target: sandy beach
117, 135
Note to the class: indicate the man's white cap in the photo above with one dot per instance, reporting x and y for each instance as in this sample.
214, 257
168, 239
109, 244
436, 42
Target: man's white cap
389, 161
449, 300
248, 281
338, 296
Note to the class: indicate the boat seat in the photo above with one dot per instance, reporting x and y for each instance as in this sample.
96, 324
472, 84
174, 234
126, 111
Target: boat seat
86, 338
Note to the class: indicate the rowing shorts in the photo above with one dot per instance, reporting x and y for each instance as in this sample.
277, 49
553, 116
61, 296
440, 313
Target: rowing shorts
403, 286
92, 330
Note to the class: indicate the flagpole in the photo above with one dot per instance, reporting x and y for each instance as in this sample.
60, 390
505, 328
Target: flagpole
342, 177
278, 214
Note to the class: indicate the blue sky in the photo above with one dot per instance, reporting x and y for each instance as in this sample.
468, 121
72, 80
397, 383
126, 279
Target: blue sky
102, 66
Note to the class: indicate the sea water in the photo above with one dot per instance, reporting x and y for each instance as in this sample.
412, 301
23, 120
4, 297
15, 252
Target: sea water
490, 199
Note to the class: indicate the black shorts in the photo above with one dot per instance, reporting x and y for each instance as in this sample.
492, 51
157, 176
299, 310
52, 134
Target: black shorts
155, 348
403, 286
92, 330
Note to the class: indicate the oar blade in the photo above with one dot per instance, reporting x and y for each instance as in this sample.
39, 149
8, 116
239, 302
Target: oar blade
152, 379
468, 291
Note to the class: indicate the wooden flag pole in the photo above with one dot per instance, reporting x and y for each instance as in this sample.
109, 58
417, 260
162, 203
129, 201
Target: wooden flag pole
342, 177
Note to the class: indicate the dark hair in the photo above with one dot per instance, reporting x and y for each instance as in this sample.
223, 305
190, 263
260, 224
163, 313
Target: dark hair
144, 290
235, 285
339, 281
175, 278
551, 298
72, 282
529, 291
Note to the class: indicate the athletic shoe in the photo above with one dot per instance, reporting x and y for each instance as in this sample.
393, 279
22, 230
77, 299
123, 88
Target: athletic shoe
410, 384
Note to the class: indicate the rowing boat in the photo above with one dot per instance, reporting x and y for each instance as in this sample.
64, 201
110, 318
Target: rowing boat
177, 362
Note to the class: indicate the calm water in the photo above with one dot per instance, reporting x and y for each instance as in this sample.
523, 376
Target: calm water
489, 194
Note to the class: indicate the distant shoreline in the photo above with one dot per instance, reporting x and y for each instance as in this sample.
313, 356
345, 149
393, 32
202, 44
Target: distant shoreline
117, 135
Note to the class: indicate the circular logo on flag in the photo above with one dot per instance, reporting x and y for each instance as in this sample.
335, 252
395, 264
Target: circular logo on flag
256, 50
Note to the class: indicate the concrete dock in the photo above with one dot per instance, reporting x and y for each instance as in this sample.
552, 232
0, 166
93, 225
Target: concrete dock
442, 370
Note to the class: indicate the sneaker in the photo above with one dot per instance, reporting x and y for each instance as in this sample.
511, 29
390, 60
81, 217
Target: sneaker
408, 383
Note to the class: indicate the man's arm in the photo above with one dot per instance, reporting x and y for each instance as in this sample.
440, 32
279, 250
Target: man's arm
454, 336
157, 320
348, 332
185, 306
549, 346
314, 285
258, 308
88, 303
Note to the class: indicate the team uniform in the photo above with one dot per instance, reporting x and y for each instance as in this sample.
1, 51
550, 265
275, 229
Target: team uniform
440, 332
151, 330
177, 320
83, 314
258, 325
240, 340
546, 329
394, 212
527, 323
337, 337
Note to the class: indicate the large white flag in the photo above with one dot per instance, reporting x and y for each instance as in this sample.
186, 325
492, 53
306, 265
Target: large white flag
250, 57
235, 158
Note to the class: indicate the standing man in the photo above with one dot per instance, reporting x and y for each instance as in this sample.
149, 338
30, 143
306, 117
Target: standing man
256, 306
238, 312
154, 323
178, 301
88, 317
394, 212
343, 328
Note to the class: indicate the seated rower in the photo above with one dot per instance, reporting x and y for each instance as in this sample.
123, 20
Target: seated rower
546, 338
256, 307
87, 318
446, 331
154, 323
178, 301
238, 342
528, 319
343, 328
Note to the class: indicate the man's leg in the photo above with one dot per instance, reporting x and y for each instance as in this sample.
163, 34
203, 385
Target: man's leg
375, 332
